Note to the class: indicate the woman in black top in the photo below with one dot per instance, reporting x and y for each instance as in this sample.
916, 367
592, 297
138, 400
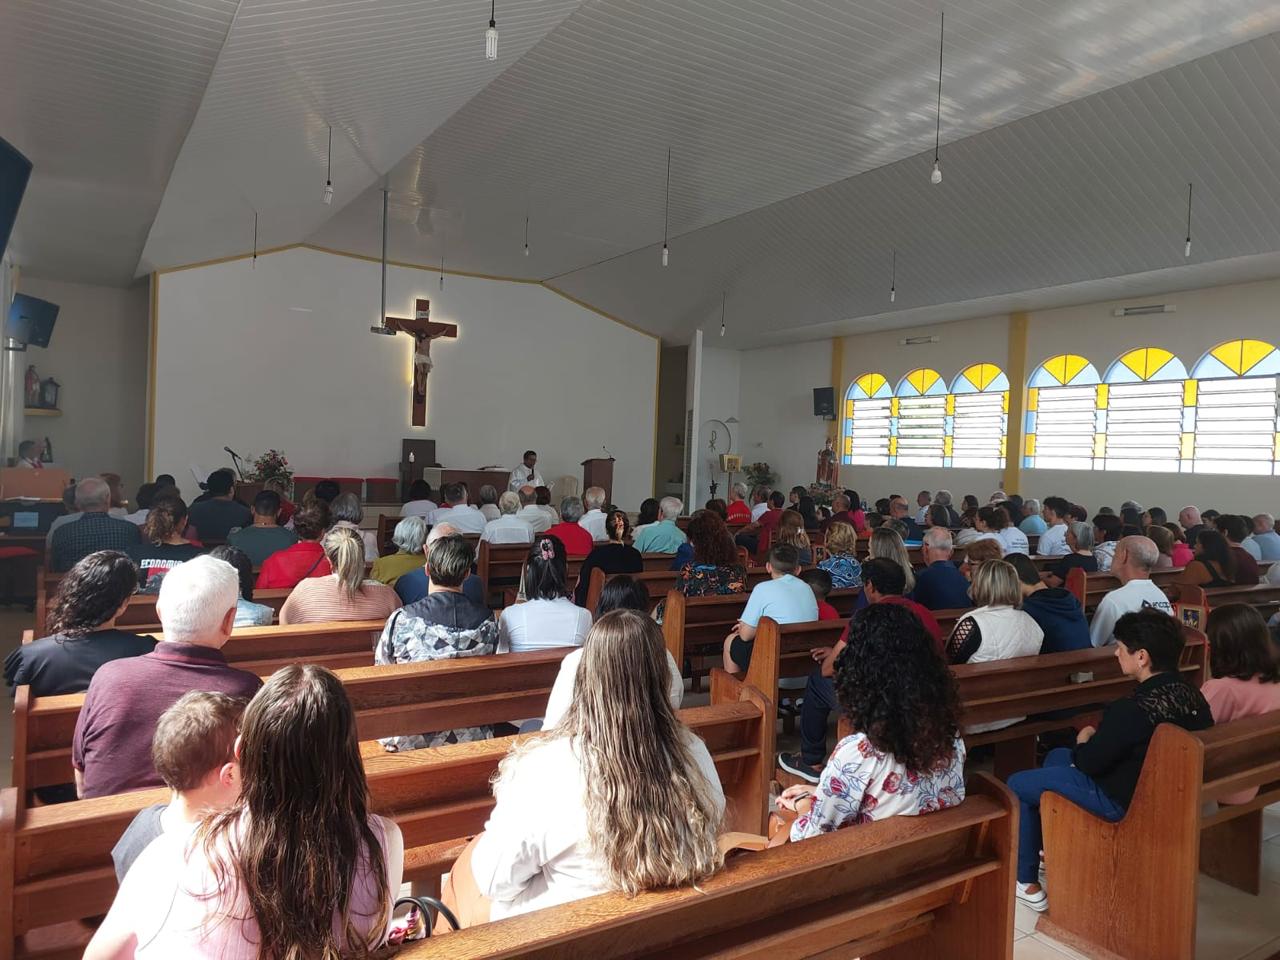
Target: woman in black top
1101, 773
615, 556
163, 546
82, 623
1080, 539
1213, 566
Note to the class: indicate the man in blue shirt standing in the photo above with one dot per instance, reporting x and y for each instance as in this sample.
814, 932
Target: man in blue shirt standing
784, 597
940, 585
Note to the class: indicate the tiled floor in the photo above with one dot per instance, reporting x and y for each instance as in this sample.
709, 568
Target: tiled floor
1232, 925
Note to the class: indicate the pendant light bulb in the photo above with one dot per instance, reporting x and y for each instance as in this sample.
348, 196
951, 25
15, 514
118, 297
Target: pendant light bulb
327, 196
491, 36
526, 249
328, 192
722, 328
893, 295
936, 176
722, 299
1186, 251
666, 255
893, 276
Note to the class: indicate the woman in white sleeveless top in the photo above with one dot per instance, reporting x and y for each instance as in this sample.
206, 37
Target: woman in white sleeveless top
996, 629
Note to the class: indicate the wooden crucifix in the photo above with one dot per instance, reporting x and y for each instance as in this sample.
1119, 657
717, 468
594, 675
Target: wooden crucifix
423, 332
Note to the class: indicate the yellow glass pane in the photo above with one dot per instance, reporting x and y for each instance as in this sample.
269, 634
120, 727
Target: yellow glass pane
951, 404
1004, 402
1065, 366
981, 374
1099, 445
848, 446
1033, 398
1004, 443
1146, 361
1103, 395
1189, 393
870, 383
1242, 355
893, 407
1188, 446
923, 379
1029, 445
893, 446
946, 446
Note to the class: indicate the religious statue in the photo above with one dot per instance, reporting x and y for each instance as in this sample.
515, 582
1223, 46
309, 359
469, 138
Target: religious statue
423, 332
827, 464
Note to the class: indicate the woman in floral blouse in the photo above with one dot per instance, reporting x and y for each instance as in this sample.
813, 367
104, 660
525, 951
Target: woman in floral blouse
905, 757
715, 567
842, 562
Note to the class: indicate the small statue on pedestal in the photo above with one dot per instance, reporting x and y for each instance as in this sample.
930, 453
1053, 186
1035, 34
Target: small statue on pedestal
827, 464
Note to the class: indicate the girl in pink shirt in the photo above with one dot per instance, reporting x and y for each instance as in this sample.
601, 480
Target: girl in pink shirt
1246, 675
297, 867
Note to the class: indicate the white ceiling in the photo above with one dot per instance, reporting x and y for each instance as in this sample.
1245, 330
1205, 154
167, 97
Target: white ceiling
801, 134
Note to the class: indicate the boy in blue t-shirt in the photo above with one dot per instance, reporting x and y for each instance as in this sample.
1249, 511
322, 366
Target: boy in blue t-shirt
784, 597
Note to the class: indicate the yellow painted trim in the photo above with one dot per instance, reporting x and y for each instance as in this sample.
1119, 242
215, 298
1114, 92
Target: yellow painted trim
657, 393
233, 257
417, 266
836, 426
1017, 372
152, 334
608, 316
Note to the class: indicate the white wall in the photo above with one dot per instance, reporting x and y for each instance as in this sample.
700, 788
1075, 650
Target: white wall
776, 408
717, 400
281, 356
98, 353
1203, 318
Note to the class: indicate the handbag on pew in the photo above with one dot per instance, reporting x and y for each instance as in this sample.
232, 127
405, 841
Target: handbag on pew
422, 918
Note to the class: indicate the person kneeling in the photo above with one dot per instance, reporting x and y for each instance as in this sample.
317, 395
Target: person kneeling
619, 796
905, 756
1101, 773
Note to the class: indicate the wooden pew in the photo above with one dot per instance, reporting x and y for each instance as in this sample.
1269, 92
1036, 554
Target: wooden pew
388, 700
56, 860
659, 583
500, 565
140, 615
1154, 855
1090, 588
1033, 687
386, 527
904, 887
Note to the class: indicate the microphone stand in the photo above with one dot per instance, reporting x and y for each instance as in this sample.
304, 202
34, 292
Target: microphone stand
239, 469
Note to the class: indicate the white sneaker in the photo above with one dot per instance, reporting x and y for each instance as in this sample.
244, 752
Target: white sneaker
1038, 901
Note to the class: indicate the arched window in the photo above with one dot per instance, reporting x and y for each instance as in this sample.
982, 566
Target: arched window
1234, 396
1062, 414
920, 426
1140, 411
978, 418
867, 411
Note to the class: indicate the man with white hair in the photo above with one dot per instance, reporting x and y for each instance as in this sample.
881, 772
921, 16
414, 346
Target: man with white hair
739, 511
530, 512
1134, 560
1265, 537
593, 520
415, 584
1032, 523
663, 536
1189, 520
94, 531
940, 585
111, 749
508, 528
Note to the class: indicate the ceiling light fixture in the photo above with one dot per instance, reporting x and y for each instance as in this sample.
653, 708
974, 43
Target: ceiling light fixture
381, 326
328, 180
722, 299
1186, 251
254, 264
666, 213
893, 277
526, 236
491, 35
936, 175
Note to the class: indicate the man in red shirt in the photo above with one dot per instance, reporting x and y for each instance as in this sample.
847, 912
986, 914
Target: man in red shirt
577, 541
883, 582
739, 512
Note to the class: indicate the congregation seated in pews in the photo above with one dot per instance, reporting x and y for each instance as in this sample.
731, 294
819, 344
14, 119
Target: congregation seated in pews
936, 624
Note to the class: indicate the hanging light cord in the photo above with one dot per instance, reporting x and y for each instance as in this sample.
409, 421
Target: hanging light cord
329, 168
255, 238
937, 130
893, 270
666, 214
493, 9
1188, 213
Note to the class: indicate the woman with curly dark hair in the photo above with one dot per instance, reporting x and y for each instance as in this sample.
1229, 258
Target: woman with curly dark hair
905, 756
709, 563
82, 635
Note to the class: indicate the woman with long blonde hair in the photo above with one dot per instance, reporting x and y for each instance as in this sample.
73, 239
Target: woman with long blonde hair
297, 869
619, 796
885, 542
790, 530
344, 594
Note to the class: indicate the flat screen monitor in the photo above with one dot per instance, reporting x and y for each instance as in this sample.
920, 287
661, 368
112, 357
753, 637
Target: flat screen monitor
15, 170
31, 320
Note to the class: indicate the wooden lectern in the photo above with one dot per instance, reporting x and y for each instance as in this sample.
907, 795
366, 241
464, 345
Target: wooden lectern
598, 472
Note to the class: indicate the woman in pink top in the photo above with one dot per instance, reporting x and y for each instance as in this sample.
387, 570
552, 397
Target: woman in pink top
344, 594
1246, 675
298, 867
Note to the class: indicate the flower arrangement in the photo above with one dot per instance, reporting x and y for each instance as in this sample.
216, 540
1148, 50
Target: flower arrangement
272, 465
822, 493
760, 474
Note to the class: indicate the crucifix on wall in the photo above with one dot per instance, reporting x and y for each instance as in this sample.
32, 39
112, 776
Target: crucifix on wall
423, 332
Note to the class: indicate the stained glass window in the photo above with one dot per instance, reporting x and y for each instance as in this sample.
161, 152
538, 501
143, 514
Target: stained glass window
867, 413
977, 418
920, 423
1141, 411
1234, 398
1062, 414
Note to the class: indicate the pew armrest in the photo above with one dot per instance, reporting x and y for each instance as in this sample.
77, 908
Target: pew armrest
738, 840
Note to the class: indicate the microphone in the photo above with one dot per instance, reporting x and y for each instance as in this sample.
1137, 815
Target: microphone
232, 452
606, 451
236, 457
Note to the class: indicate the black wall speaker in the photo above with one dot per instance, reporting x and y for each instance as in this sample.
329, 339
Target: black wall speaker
824, 402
